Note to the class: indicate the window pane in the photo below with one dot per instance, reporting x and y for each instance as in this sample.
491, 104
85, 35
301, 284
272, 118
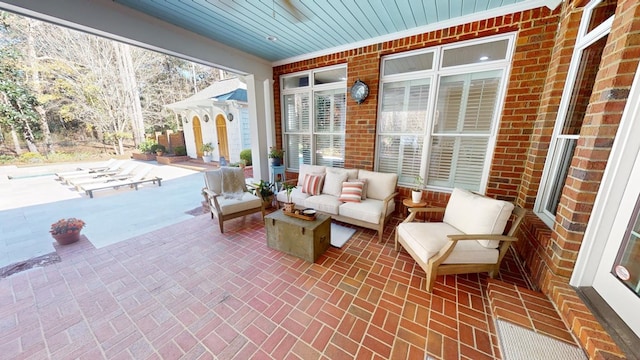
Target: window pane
457, 162
473, 54
298, 150
330, 76
564, 153
401, 155
330, 111
404, 106
293, 82
602, 12
583, 87
407, 64
467, 103
296, 112
330, 150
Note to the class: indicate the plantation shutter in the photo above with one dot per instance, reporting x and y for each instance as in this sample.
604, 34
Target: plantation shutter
329, 127
297, 125
466, 105
403, 118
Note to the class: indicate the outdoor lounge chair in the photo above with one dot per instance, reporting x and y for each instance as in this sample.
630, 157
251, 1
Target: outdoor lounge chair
82, 170
468, 240
126, 173
228, 196
140, 178
114, 168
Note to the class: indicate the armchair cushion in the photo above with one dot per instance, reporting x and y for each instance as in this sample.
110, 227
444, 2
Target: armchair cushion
246, 201
427, 243
475, 214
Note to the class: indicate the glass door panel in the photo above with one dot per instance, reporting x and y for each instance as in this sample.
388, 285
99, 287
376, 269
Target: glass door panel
627, 265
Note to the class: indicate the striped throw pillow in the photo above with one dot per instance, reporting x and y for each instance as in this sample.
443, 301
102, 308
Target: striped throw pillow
312, 184
351, 191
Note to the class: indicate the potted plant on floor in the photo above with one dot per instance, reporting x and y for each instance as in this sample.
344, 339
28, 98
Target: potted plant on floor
416, 191
264, 190
207, 152
67, 231
288, 206
160, 149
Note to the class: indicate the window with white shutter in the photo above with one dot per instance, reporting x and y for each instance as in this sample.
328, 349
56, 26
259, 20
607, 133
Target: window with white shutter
439, 122
314, 117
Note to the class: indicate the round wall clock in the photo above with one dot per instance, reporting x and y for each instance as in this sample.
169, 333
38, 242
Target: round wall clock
230, 116
359, 91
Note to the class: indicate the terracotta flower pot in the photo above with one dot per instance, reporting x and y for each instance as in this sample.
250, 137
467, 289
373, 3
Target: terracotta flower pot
67, 238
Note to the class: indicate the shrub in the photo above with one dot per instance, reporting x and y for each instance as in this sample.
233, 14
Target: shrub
147, 146
31, 157
158, 147
246, 156
180, 150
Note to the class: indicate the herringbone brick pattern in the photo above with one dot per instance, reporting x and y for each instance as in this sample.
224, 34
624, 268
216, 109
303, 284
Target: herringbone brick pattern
187, 291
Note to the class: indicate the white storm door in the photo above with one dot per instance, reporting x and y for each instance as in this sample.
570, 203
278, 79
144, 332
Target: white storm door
617, 278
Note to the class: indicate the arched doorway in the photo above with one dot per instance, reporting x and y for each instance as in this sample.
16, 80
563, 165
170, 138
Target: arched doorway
197, 135
223, 145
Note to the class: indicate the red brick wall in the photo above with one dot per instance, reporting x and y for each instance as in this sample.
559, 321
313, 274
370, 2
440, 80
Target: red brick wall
544, 47
533, 50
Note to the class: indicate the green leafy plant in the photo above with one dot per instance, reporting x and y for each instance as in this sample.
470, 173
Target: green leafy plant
207, 148
180, 150
246, 156
275, 152
288, 187
418, 183
264, 189
147, 146
159, 148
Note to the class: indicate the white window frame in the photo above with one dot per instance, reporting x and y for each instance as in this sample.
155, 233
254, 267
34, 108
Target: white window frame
552, 167
435, 75
310, 90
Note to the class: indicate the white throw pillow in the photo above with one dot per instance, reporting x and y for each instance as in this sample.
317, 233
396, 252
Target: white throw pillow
333, 182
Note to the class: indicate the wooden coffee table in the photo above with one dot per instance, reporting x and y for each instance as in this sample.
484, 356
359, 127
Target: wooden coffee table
306, 239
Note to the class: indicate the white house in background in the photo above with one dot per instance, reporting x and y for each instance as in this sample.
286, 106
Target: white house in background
218, 114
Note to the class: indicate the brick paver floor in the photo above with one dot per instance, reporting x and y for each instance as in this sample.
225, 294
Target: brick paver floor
187, 291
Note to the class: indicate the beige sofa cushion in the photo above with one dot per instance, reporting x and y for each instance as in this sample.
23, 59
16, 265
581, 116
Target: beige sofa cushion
325, 203
379, 185
368, 210
426, 240
477, 214
297, 196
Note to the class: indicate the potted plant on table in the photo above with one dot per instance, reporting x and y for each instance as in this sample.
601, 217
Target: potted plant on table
67, 231
276, 155
207, 152
416, 191
288, 206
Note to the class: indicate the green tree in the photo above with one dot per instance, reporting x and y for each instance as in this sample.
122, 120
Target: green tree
17, 102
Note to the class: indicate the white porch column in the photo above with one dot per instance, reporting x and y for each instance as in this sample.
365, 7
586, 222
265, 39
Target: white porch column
260, 98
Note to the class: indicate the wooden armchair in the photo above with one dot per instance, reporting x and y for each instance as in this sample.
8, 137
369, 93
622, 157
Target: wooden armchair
228, 196
468, 240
